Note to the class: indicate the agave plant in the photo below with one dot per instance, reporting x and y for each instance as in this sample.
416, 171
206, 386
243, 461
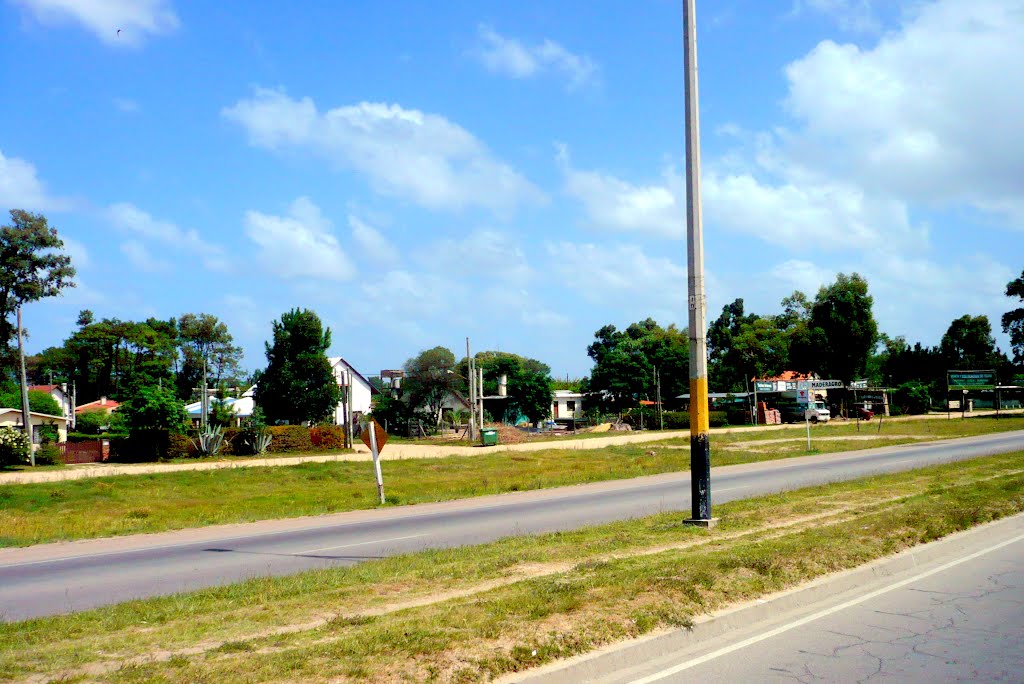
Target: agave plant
259, 442
211, 439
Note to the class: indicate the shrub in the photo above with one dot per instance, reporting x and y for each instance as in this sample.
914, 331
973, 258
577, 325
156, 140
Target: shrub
49, 454
154, 408
82, 437
91, 422
141, 445
288, 438
38, 401
14, 446
677, 420
327, 437
912, 398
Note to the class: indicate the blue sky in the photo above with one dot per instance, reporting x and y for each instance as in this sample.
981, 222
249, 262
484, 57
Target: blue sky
422, 172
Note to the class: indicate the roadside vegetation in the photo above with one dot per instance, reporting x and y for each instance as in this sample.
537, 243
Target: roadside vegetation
475, 613
131, 504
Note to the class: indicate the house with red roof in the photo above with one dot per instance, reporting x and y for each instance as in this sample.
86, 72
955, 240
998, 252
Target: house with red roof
101, 404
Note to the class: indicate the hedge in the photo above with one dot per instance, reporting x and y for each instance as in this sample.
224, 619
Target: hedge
327, 437
156, 445
675, 420
84, 437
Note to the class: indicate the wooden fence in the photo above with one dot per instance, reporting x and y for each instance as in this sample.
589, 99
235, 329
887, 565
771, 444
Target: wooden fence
94, 451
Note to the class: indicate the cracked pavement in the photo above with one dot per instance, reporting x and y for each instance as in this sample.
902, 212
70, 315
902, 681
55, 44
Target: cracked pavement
963, 624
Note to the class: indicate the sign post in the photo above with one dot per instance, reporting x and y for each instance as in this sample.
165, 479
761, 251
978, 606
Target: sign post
375, 438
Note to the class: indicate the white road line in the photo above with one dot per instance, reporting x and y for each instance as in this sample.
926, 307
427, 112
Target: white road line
729, 489
820, 614
345, 546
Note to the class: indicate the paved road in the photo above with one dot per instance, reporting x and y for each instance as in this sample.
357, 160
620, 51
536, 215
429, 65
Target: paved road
957, 620
57, 578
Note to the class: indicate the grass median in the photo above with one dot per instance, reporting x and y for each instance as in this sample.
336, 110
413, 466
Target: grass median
475, 613
131, 504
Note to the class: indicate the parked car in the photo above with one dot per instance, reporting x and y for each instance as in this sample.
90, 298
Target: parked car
861, 412
814, 411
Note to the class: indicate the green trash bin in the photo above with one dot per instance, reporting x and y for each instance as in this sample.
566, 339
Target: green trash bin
489, 437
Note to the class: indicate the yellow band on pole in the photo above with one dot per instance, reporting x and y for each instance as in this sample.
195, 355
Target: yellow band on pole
699, 406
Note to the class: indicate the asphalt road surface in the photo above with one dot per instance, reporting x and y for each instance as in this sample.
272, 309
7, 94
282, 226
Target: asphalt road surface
57, 578
961, 620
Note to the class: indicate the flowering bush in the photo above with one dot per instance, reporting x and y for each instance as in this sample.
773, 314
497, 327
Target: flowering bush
14, 446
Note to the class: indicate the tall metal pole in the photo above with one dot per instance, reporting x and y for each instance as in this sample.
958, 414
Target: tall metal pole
26, 420
203, 415
350, 425
471, 430
700, 447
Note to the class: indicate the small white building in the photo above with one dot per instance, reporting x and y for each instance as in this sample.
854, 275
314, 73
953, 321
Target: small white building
566, 404
241, 407
362, 391
11, 417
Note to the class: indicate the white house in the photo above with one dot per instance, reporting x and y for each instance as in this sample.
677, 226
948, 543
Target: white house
61, 396
344, 374
11, 417
566, 404
362, 392
242, 407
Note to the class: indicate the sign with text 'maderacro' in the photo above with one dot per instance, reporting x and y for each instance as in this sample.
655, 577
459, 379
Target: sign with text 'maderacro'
968, 380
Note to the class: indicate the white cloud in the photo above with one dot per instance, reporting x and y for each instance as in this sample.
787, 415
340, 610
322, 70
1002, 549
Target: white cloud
299, 245
139, 257
403, 152
621, 277
129, 219
851, 15
800, 212
511, 57
77, 251
798, 274
617, 205
20, 187
931, 113
483, 253
524, 308
136, 19
372, 242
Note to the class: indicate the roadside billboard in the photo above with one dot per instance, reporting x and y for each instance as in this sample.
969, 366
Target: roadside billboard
971, 380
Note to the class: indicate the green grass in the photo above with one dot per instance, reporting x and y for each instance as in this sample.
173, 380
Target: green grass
130, 504
474, 613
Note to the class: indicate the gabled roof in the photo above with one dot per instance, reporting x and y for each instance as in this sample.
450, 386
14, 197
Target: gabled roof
103, 403
35, 414
45, 388
335, 360
241, 407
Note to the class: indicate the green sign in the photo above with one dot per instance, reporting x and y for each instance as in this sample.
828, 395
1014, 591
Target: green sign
971, 380
764, 386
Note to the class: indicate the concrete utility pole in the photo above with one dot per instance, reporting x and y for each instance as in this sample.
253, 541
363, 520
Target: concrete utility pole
26, 419
471, 430
700, 446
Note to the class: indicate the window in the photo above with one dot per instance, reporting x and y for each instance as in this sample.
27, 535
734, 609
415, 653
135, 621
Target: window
570, 406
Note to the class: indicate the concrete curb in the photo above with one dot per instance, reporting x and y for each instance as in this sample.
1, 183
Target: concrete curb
802, 599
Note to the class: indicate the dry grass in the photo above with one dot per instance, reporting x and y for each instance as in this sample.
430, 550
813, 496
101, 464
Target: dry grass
131, 504
475, 613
